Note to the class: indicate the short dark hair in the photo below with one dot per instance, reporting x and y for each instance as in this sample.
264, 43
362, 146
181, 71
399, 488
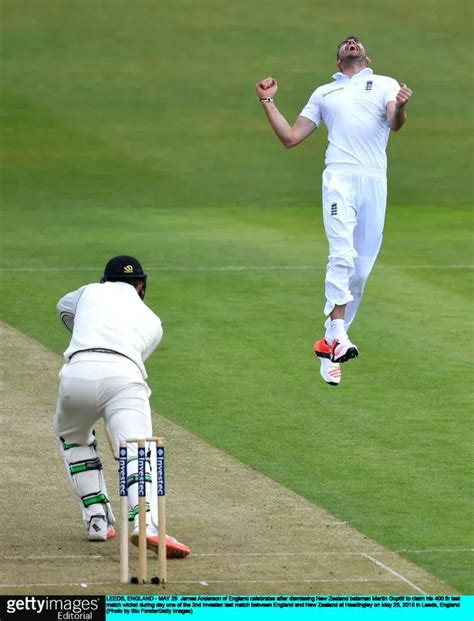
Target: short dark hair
351, 36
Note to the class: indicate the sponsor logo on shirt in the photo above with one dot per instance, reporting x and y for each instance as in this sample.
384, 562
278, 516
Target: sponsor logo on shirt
368, 85
333, 90
334, 209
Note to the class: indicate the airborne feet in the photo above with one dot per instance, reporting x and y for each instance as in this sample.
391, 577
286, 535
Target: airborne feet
342, 351
330, 371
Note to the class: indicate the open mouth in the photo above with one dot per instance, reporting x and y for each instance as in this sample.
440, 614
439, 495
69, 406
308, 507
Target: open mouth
352, 47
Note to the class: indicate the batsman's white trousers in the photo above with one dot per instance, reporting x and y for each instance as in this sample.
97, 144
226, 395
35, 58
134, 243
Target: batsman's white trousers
95, 385
354, 207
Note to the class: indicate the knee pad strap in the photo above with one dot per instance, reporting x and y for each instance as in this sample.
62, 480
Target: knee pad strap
95, 498
84, 465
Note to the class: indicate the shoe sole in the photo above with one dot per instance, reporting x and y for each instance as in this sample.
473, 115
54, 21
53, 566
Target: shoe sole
352, 352
110, 535
170, 551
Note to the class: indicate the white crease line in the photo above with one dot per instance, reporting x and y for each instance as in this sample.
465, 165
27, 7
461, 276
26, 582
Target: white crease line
394, 573
202, 268
52, 584
45, 557
264, 554
271, 580
250, 554
333, 553
207, 581
233, 268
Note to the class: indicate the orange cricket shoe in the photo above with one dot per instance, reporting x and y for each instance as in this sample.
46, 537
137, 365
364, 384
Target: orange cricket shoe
330, 371
174, 548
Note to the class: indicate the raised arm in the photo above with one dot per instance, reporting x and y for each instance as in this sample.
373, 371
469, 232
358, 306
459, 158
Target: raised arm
289, 135
396, 115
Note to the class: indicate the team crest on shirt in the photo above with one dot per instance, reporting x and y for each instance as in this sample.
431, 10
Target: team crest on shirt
368, 85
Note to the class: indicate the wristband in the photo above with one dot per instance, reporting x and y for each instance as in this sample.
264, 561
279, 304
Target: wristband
266, 100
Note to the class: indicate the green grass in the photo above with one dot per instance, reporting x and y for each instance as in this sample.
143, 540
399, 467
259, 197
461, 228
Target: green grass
138, 132
156, 105
389, 450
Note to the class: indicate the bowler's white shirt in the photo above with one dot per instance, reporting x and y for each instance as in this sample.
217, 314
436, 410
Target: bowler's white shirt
354, 111
110, 315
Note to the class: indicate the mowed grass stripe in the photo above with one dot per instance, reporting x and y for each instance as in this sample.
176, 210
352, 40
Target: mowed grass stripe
134, 100
230, 268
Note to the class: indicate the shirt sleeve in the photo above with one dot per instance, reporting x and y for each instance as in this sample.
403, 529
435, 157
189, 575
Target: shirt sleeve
391, 91
156, 334
66, 307
312, 110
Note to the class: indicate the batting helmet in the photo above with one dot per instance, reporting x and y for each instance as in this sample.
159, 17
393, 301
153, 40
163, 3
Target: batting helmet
124, 269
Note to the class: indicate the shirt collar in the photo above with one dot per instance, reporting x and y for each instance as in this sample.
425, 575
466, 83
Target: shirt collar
339, 76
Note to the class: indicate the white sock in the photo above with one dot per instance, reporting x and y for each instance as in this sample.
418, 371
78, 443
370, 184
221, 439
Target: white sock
327, 332
338, 330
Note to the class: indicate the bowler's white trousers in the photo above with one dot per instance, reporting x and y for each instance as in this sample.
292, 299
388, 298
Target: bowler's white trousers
95, 385
354, 206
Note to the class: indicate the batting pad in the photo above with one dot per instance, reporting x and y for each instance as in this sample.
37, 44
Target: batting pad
86, 479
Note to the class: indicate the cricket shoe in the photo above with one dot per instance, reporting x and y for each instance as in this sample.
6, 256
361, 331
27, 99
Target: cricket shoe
174, 549
330, 371
342, 351
99, 529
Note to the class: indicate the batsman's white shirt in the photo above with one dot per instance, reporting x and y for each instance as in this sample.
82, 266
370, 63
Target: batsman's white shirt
354, 112
111, 315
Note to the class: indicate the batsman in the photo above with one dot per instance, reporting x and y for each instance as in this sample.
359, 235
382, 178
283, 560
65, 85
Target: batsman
113, 334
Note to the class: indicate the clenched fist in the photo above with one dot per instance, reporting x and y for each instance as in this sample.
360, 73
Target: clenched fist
266, 88
403, 95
